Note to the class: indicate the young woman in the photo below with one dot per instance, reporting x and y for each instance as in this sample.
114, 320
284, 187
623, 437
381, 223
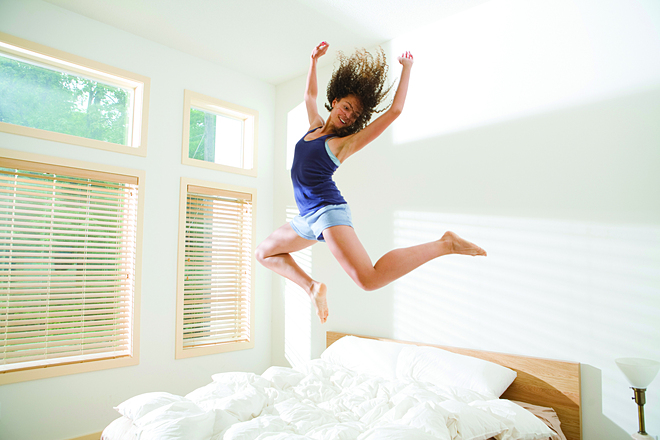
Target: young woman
356, 89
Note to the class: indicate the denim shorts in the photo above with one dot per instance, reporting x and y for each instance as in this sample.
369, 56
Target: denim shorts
312, 225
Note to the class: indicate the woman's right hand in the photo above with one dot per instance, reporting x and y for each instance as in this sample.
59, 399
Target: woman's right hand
319, 50
406, 59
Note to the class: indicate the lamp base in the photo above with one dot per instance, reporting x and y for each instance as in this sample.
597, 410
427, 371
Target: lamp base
638, 436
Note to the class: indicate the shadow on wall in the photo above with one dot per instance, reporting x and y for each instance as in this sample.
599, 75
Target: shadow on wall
569, 290
592, 407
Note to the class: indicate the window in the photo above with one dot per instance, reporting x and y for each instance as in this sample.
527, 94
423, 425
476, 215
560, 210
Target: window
57, 96
219, 135
69, 282
215, 284
297, 125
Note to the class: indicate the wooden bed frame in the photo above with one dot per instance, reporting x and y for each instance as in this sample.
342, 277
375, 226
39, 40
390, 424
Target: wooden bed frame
542, 382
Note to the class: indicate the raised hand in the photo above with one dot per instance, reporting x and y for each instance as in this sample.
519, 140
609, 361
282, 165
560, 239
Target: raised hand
320, 50
406, 59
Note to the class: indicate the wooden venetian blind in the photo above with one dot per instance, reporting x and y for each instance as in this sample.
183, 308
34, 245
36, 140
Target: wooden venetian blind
218, 267
67, 264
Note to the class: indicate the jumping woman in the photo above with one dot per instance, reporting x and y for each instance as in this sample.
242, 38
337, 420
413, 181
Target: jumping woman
356, 89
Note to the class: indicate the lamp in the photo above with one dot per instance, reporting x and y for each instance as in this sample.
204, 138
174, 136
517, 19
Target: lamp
640, 373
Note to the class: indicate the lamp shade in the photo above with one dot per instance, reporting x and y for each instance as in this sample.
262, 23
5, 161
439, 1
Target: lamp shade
639, 372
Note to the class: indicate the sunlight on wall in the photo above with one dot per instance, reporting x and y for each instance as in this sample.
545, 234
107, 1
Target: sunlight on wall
507, 59
546, 289
296, 126
297, 306
297, 311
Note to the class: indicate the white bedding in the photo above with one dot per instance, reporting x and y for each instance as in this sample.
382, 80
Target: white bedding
323, 401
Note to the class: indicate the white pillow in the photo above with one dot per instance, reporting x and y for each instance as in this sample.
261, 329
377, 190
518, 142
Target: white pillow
444, 368
140, 405
365, 356
522, 424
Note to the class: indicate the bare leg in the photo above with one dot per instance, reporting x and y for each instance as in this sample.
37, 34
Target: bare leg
351, 255
274, 253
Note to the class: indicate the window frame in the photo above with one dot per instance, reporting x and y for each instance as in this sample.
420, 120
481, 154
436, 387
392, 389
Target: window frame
75, 367
180, 352
206, 103
75, 64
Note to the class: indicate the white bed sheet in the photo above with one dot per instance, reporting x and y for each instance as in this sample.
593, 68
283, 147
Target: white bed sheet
322, 401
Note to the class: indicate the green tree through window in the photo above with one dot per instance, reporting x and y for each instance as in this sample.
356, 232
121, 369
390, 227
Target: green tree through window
47, 99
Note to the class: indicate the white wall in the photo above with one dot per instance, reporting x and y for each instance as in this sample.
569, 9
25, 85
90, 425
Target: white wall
531, 128
71, 406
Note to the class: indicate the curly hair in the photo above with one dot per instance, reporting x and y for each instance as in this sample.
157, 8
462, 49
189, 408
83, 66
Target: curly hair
362, 75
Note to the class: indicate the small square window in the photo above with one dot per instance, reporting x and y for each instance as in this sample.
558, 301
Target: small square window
219, 135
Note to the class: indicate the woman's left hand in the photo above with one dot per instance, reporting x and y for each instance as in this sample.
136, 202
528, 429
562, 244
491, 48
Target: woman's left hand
406, 59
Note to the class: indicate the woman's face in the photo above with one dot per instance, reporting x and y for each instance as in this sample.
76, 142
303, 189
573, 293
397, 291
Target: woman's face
346, 110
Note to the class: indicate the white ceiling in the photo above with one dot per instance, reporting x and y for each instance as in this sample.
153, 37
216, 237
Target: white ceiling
266, 39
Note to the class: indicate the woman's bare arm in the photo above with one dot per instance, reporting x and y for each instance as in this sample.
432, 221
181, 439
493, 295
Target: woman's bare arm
311, 89
355, 142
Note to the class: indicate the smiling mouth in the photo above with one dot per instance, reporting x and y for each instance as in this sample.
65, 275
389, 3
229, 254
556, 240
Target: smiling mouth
342, 121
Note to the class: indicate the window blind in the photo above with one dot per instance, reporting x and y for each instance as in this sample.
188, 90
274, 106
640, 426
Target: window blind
67, 264
217, 267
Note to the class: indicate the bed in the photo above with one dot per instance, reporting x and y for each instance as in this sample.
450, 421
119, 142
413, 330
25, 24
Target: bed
369, 388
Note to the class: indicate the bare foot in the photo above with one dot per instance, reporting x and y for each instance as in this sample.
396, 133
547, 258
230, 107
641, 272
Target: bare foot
460, 246
317, 294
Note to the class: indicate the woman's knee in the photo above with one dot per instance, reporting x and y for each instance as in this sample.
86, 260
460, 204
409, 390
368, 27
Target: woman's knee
261, 253
366, 281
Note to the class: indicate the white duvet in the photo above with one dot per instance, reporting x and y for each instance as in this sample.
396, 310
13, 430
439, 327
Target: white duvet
322, 401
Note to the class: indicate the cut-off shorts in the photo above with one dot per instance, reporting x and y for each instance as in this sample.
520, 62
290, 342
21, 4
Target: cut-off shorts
312, 225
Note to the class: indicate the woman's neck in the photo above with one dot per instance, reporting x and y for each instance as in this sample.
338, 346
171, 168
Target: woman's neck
328, 128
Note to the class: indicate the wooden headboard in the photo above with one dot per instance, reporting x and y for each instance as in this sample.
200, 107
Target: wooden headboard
542, 382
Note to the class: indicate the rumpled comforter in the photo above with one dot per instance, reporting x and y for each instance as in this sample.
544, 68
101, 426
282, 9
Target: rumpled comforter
319, 401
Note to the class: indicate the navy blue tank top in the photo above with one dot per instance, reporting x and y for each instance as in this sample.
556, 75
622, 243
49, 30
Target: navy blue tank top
311, 173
